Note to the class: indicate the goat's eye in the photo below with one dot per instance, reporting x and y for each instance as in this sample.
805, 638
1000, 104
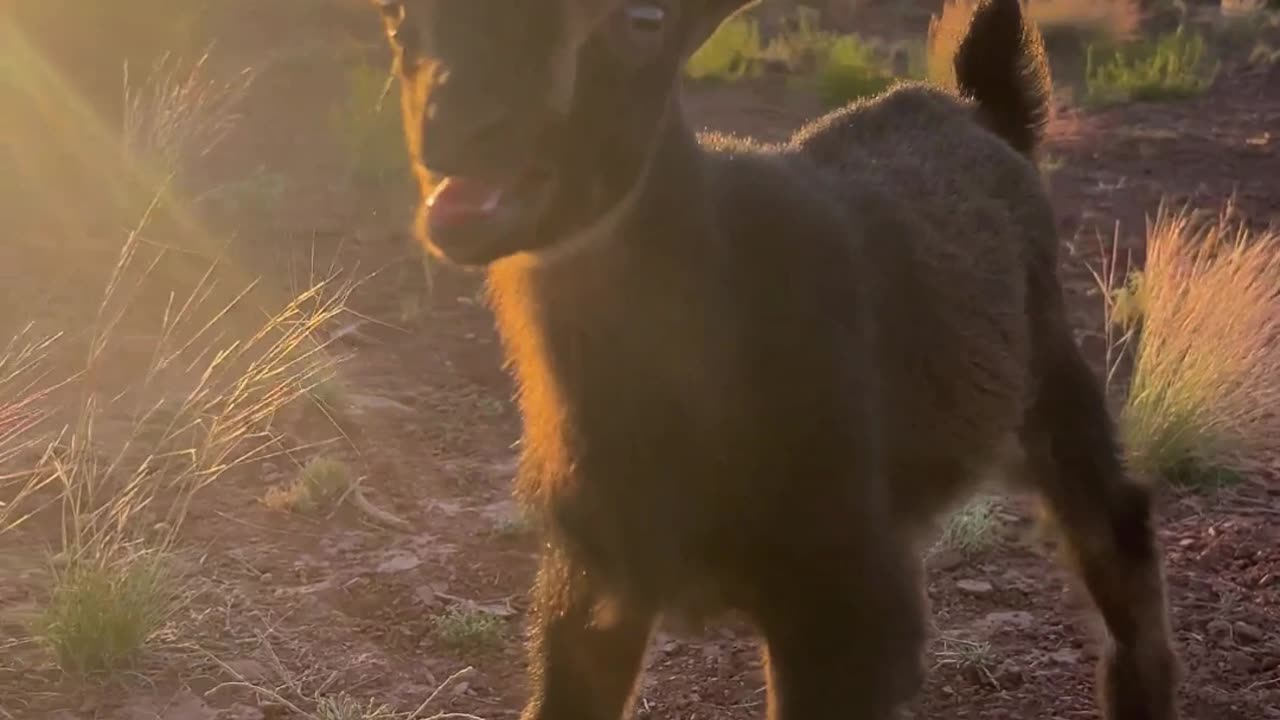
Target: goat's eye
645, 16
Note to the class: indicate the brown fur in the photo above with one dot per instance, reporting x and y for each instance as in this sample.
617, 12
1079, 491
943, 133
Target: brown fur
754, 379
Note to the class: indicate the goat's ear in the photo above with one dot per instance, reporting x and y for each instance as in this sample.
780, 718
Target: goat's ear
703, 17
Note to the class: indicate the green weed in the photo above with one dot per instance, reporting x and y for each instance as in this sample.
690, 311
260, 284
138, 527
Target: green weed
850, 71
319, 484
1170, 67
468, 627
972, 528
730, 52
104, 609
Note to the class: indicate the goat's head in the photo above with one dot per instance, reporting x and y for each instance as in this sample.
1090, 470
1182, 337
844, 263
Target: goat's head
530, 121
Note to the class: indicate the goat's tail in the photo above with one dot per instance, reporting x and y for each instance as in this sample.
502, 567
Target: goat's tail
1001, 64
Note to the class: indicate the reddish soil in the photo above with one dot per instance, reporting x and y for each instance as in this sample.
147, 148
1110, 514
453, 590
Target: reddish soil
309, 605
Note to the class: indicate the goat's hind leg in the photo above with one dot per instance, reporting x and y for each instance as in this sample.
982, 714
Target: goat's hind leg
1106, 523
587, 646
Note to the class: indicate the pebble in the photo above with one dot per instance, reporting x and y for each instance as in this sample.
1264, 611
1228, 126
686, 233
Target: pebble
1248, 633
1219, 629
974, 587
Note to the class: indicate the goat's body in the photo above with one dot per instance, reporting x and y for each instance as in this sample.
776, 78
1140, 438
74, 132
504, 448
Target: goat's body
756, 387
894, 341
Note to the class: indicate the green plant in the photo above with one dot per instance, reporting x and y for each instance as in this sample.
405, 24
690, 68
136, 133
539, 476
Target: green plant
104, 608
366, 123
850, 71
970, 529
468, 627
344, 707
730, 52
1170, 67
1202, 324
320, 483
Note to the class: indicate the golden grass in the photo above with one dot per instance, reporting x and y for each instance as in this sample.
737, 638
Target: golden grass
125, 465
1202, 321
178, 114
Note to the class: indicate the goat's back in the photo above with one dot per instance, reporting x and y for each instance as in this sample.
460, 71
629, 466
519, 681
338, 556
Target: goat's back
952, 220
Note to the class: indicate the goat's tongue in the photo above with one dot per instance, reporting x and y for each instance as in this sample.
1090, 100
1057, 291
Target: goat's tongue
464, 199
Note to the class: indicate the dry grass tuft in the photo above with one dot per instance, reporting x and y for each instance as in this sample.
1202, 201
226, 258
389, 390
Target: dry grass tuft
1202, 321
321, 483
177, 114
972, 528
129, 455
468, 627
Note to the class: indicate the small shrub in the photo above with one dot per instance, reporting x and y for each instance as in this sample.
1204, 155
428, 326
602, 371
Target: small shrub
801, 46
468, 627
850, 71
103, 610
1170, 67
367, 125
1202, 323
320, 483
970, 529
729, 54
344, 707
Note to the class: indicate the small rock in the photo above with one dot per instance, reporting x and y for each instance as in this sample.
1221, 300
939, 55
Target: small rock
426, 595
1247, 632
461, 688
1065, 656
1219, 629
974, 587
399, 563
1241, 662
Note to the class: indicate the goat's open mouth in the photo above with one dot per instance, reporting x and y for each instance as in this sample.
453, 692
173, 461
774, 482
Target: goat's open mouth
478, 219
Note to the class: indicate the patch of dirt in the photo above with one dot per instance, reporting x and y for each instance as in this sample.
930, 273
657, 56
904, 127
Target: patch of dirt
310, 606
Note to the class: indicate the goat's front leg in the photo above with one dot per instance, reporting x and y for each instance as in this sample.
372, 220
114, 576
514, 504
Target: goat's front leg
845, 634
586, 646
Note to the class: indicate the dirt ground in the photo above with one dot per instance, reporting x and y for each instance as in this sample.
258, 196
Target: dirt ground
321, 605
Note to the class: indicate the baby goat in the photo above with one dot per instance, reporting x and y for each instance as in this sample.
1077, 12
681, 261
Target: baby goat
751, 377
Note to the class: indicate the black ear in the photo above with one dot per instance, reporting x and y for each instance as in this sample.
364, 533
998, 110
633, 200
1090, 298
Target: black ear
703, 17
